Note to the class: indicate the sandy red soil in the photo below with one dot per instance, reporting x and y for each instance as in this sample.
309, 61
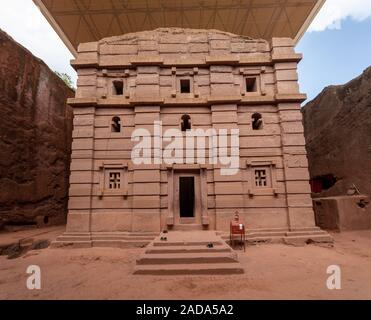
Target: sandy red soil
271, 272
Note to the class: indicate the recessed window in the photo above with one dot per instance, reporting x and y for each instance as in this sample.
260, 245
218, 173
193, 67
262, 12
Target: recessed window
118, 87
260, 178
257, 121
186, 122
114, 180
251, 84
185, 86
116, 124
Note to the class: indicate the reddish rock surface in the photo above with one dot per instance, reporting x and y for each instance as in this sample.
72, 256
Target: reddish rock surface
337, 126
35, 138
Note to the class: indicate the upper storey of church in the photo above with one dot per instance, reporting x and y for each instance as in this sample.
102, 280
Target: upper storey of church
186, 66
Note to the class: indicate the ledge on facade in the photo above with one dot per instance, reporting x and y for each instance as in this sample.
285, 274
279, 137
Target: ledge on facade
180, 166
211, 100
186, 101
112, 62
289, 57
255, 61
222, 59
114, 102
262, 192
147, 101
146, 60
82, 102
291, 97
189, 62
224, 99
257, 99
84, 63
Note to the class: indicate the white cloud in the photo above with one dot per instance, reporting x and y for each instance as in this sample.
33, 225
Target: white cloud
334, 11
23, 21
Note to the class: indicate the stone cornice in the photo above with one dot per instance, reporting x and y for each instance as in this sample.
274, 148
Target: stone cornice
211, 100
134, 61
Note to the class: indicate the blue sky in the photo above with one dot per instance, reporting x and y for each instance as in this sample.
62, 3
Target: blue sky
336, 48
334, 56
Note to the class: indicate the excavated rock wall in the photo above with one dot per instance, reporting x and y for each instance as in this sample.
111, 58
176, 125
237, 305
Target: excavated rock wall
337, 128
35, 139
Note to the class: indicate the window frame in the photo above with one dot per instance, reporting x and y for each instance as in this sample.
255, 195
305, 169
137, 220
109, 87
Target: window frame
252, 121
258, 74
270, 167
182, 121
113, 87
111, 125
256, 83
105, 169
191, 86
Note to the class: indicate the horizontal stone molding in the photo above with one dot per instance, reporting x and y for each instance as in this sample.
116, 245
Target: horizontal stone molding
203, 101
110, 62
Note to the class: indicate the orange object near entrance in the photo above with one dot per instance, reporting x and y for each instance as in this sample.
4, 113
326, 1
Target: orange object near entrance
237, 228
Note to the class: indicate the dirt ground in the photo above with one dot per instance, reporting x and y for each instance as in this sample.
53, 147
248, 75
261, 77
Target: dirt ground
271, 272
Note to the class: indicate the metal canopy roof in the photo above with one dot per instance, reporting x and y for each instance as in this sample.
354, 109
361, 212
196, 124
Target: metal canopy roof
78, 21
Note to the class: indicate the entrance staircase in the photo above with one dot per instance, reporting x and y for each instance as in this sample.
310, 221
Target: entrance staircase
187, 252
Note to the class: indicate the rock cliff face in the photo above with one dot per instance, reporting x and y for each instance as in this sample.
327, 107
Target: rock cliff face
35, 139
337, 126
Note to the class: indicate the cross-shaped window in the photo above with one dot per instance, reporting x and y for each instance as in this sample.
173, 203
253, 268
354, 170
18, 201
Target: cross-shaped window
114, 180
260, 178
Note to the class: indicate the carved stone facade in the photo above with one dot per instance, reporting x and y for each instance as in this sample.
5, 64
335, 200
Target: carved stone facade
198, 78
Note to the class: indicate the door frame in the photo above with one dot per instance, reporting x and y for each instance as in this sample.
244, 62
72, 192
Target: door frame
201, 207
196, 219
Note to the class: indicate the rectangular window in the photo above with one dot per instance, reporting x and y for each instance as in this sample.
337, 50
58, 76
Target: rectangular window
118, 88
251, 84
185, 86
260, 178
114, 180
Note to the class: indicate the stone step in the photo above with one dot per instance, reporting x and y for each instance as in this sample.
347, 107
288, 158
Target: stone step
70, 244
306, 233
257, 240
256, 235
187, 221
127, 234
249, 230
186, 249
265, 234
99, 243
265, 240
315, 228
73, 238
77, 234
183, 243
189, 258
190, 269
302, 240
120, 243
118, 237
187, 227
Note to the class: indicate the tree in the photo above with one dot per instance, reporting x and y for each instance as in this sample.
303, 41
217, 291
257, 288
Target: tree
66, 79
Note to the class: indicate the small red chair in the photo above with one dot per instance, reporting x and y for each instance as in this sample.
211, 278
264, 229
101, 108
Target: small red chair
237, 229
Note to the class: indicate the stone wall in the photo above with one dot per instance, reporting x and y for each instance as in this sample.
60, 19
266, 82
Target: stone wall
35, 139
149, 67
337, 127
